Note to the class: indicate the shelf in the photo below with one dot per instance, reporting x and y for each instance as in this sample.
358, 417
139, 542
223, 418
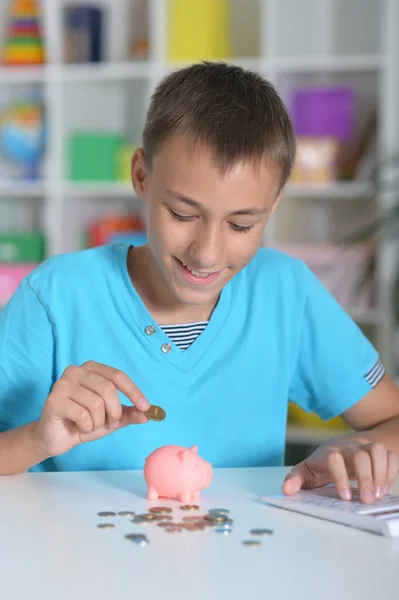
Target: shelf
298, 434
349, 189
20, 189
23, 74
344, 63
93, 72
98, 190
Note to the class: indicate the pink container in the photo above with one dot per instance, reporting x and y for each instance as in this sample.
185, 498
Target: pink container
11, 275
176, 472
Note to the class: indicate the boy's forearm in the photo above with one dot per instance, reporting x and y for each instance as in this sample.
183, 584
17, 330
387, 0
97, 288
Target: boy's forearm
386, 432
19, 450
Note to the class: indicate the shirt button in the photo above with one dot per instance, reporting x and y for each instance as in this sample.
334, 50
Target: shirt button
150, 330
166, 348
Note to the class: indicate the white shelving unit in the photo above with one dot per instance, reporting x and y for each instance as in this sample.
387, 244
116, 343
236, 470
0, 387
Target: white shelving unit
287, 41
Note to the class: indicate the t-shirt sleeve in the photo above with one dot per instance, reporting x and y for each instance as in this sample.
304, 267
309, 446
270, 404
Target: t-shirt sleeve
336, 365
26, 358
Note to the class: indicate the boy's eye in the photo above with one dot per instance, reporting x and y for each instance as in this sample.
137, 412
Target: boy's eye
180, 217
241, 228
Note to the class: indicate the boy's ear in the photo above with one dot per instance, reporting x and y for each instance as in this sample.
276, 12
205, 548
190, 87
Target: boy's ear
139, 172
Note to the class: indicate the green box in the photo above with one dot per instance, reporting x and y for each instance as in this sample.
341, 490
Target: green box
22, 247
92, 156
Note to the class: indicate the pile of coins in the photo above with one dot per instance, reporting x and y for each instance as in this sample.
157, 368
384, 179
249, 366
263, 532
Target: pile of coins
217, 519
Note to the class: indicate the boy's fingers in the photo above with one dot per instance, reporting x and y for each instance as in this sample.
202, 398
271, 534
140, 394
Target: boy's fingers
339, 474
121, 381
78, 414
364, 475
93, 403
105, 391
131, 416
379, 462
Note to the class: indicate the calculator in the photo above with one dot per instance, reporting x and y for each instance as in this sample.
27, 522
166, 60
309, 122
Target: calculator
382, 517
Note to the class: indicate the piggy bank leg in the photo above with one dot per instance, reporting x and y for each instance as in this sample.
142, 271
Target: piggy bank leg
185, 497
152, 493
196, 495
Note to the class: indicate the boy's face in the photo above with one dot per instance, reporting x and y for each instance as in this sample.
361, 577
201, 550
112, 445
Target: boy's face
203, 227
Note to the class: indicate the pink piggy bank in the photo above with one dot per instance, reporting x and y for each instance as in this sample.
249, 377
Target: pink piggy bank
176, 472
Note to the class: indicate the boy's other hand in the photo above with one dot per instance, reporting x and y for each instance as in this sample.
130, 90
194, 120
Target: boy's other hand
84, 406
343, 459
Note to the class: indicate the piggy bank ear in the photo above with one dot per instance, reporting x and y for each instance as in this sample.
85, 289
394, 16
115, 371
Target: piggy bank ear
194, 449
182, 455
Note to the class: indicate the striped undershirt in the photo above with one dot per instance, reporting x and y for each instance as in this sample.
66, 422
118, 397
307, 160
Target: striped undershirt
184, 335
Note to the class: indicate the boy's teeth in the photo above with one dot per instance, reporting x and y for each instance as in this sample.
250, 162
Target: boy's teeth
196, 273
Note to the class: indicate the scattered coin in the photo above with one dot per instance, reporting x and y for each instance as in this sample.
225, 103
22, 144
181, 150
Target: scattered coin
223, 530
216, 518
146, 517
136, 537
140, 540
160, 510
261, 532
226, 524
218, 511
155, 413
173, 530
105, 525
126, 513
106, 513
192, 518
251, 543
163, 518
164, 524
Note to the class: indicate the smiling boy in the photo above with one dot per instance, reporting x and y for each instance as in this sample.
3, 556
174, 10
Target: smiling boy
220, 333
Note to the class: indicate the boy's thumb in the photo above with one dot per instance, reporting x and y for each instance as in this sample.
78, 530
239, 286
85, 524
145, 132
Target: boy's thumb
294, 480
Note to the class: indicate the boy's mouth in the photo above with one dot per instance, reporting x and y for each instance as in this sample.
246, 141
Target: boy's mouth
196, 277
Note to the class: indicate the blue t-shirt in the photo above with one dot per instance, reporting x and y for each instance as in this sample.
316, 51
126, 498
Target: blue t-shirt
275, 335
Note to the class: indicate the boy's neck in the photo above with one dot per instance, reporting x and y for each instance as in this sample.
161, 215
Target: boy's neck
150, 284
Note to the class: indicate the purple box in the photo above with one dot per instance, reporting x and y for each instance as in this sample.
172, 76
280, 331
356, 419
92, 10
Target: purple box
324, 111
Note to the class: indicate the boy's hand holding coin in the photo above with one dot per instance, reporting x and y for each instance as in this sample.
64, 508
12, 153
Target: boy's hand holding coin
84, 406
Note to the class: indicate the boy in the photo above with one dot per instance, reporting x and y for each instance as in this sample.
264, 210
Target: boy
201, 321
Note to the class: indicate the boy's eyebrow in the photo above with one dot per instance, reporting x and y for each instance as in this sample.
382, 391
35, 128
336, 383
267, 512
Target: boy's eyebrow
195, 204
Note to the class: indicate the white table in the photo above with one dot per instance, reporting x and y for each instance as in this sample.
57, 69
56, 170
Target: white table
51, 548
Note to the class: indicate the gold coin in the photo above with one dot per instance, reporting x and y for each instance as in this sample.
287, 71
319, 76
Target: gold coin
163, 518
218, 511
105, 525
192, 518
106, 513
126, 513
159, 510
251, 543
216, 518
155, 413
185, 507
165, 524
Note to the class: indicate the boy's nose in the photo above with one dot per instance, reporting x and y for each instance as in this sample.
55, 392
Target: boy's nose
207, 251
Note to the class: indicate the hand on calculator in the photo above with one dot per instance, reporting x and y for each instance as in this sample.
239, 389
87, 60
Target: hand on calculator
344, 459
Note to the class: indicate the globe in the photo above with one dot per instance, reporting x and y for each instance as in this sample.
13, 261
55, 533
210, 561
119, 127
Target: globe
22, 135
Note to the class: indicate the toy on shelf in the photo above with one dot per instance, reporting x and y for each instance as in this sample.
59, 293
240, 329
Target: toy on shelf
22, 135
198, 30
24, 43
112, 228
176, 472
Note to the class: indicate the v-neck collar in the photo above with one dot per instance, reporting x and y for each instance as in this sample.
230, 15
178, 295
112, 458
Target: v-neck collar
153, 334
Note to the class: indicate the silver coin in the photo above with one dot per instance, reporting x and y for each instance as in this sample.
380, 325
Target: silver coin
224, 530
106, 513
251, 543
136, 537
218, 511
225, 525
261, 532
126, 513
105, 525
